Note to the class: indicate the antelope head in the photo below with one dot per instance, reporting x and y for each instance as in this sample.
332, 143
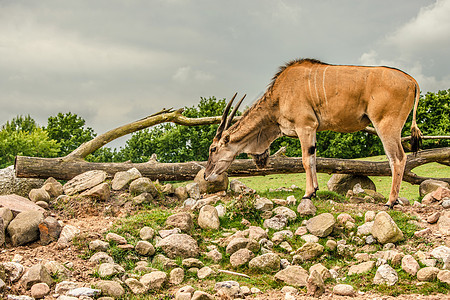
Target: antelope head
222, 150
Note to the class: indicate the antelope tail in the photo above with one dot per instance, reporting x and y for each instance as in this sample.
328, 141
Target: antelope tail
416, 134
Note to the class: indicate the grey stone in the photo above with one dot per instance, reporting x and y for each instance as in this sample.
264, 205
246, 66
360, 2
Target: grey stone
193, 190
98, 245
143, 185
214, 255
181, 220
154, 280
385, 275
41, 194
441, 253
444, 276
204, 272
24, 228
114, 237
101, 257
315, 285
410, 265
2, 232
240, 243
110, 288
67, 234
192, 263
53, 187
40, 290
212, 186
109, 270
176, 276
146, 233
208, 218
200, 295
293, 275
430, 185
18, 204
10, 184
65, 286
321, 225
143, 198
49, 230
7, 215
277, 222
101, 192
287, 212
427, 274
365, 229
13, 270
122, 179
263, 204
179, 245
343, 290
267, 263
57, 270
35, 274
361, 268
221, 210
385, 230
280, 236
341, 183
84, 181
228, 289
241, 257
135, 286
444, 223
309, 251
181, 193
145, 248
239, 188
306, 208
324, 272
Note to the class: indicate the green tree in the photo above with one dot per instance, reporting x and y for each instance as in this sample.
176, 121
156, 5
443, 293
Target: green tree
69, 131
14, 141
20, 123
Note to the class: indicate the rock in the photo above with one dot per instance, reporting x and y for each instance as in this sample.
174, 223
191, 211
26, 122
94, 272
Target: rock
444, 223
385, 275
17, 204
40, 290
65, 286
67, 234
277, 222
344, 218
191, 263
49, 230
280, 236
309, 251
441, 193
263, 204
36, 274
208, 218
6, 215
430, 185
444, 276
109, 270
341, 183
306, 208
193, 190
331, 244
204, 272
239, 188
84, 181
166, 233
24, 228
385, 230
100, 192
110, 288
176, 276
21, 297
241, 257
410, 265
321, 225
181, 220
446, 203
427, 274
135, 286
179, 245
142, 198
315, 285
37, 195
301, 231
365, 229
114, 237
211, 187
101, 257
199, 295
288, 213
343, 290
324, 272
441, 253
256, 233
145, 248
165, 262
83, 292
10, 184
181, 193
154, 280
240, 243
293, 275
98, 245
228, 289
146, 233
214, 255
2, 233
122, 179
267, 263
433, 218
361, 268
143, 185
53, 187
57, 270
13, 271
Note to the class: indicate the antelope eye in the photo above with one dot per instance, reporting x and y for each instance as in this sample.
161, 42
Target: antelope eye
213, 149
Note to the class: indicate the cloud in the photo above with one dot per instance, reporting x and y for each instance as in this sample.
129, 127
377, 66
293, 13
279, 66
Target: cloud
419, 47
187, 74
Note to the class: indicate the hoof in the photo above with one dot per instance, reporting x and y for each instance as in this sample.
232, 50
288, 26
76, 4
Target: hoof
311, 196
391, 206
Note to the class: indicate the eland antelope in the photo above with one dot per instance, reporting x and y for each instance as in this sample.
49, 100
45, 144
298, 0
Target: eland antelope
307, 96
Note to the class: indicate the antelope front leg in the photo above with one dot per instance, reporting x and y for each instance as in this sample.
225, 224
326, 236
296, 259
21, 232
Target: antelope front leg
308, 142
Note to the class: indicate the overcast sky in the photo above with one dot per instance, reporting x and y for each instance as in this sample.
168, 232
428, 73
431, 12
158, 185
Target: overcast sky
112, 62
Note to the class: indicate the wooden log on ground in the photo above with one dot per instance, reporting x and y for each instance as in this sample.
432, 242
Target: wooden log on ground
67, 168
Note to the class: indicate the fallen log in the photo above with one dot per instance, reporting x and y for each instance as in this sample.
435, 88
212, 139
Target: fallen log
68, 167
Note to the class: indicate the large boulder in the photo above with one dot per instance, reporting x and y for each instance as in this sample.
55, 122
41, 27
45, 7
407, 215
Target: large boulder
24, 228
385, 230
208, 218
214, 186
10, 184
18, 204
122, 179
84, 181
341, 183
176, 245
430, 185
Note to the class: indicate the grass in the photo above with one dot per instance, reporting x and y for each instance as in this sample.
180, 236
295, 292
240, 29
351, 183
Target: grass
383, 183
